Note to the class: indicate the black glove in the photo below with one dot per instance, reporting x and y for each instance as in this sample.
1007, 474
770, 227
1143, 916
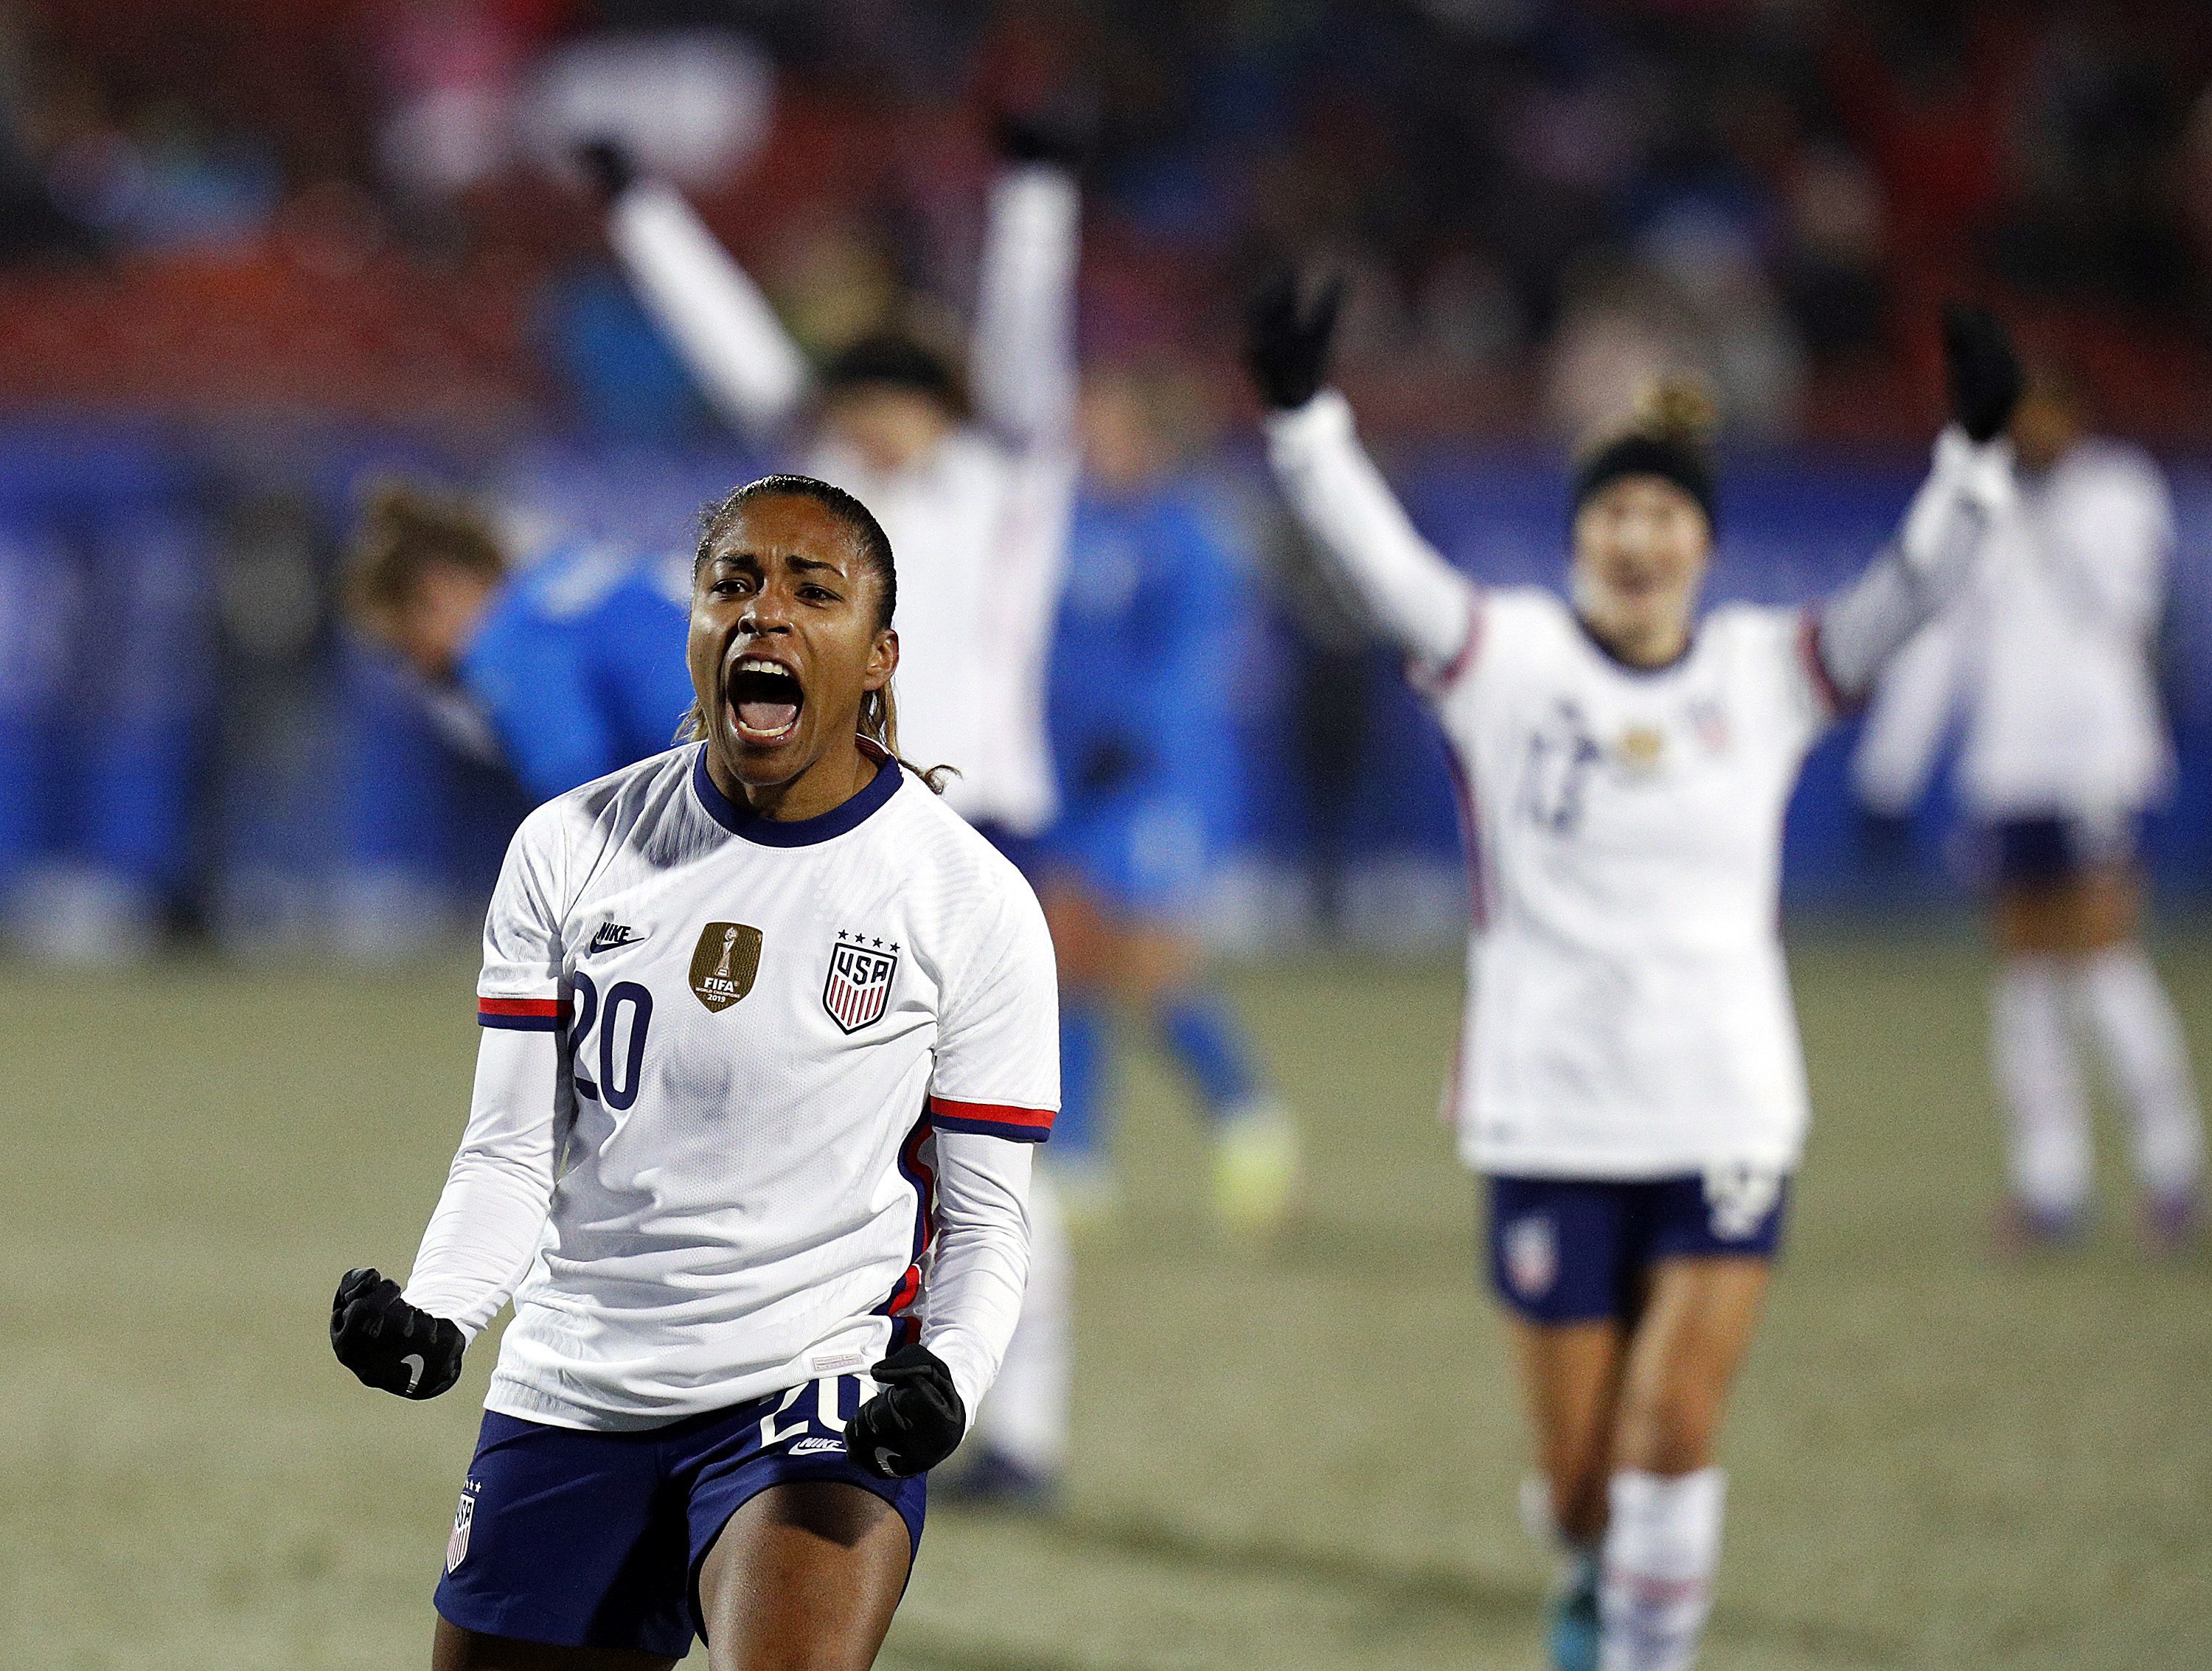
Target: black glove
389, 1343
1287, 341
1984, 373
914, 1423
1027, 139
611, 166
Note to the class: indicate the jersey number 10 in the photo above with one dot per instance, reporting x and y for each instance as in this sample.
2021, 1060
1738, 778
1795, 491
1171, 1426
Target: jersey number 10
616, 1090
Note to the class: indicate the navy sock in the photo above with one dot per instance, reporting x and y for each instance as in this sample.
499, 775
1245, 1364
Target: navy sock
1208, 1044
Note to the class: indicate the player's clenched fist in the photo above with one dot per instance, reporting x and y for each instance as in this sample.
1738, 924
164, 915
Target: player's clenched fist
914, 1423
389, 1343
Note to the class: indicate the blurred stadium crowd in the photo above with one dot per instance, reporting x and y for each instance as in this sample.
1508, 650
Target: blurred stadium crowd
253, 252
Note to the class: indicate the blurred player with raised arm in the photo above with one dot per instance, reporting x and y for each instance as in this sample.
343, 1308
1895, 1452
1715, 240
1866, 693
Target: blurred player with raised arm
1630, 1084
563, 671
977, 503
2052, 655
770, 1035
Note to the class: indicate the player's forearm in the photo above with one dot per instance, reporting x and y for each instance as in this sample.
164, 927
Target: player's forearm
1341, 499
711, 309
1021, 370
485, 1230
1869, 621
979, 1268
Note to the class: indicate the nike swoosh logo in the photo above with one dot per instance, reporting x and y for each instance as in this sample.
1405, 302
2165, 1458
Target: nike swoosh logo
413, 1364
886, 1460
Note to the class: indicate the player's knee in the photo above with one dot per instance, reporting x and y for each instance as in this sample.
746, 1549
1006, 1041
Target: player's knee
1671, 1428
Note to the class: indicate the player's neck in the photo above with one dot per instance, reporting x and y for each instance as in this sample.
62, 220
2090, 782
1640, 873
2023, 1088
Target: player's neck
1648, 646
823, 786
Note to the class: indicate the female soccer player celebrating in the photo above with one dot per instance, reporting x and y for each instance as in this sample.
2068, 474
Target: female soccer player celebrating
1631, 1085
769, 1032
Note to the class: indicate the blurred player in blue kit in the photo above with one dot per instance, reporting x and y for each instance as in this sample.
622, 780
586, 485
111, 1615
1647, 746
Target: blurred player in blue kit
563, 670
1139, 705
1630, 1086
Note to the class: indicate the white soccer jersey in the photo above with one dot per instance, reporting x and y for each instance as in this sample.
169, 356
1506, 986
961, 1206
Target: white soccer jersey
979, 532
979, 526
1629, 1012
2063, 714
776, 1067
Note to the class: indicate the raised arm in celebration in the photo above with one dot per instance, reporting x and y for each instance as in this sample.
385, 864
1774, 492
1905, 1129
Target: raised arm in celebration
1022, 355
1969, 484
1421, 602
710, 306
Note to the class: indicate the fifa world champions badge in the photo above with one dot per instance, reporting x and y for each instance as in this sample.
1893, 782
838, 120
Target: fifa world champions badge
724, 962
464, 1516
859, 986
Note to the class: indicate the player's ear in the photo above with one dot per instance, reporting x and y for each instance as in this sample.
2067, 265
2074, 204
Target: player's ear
882, 660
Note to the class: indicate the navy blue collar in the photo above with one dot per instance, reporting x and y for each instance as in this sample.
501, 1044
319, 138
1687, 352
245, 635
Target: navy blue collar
797, 832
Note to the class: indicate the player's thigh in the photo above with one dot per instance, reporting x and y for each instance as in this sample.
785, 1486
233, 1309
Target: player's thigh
453, 1649
1084, 941
1157, 957
806, 1574
1682, 1359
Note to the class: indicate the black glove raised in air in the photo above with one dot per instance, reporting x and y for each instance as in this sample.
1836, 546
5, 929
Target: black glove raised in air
611, 166
1286, 339
389, 1343
914, 1423
1062, 141
1984, 373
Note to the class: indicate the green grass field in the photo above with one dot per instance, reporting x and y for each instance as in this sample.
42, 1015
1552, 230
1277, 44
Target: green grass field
1305, 1459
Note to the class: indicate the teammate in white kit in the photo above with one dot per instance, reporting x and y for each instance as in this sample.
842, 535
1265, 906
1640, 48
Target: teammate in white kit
771, 1034
2066, 748
1630, 1083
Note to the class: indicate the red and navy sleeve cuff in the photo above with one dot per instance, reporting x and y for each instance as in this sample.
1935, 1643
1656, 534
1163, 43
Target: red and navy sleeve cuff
521, 1015
1816, 665
991, 1119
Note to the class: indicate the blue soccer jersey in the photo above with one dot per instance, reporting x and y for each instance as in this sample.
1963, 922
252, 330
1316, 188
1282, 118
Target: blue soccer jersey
1143, 663
579, 665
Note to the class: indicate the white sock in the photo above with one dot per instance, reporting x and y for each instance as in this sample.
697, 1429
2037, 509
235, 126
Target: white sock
1663, 1545
2143, 1046
1025, 1415
2040, 1076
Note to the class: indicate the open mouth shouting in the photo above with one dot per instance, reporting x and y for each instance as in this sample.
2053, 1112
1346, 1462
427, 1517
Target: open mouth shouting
765, 698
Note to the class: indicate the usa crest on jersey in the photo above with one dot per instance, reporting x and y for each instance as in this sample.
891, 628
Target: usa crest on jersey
858, 987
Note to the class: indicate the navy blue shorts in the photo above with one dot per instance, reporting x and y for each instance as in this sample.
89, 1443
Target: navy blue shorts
595, 1539
1570, 1251
2045, 852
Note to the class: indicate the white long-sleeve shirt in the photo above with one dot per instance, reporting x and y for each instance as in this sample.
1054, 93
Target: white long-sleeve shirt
1629, 1011
979, 526
755, 1100
2047, 656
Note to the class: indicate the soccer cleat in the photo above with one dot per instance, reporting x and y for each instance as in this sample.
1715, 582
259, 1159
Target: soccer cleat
993, 1479
1570, 1632
2172, 1221
1256, 1169
2020, 1228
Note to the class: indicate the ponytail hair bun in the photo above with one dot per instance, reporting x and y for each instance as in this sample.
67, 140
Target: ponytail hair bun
1669, 436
